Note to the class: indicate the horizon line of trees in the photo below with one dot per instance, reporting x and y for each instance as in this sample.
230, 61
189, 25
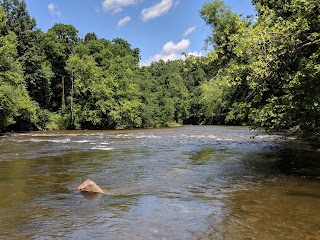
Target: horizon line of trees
262, 72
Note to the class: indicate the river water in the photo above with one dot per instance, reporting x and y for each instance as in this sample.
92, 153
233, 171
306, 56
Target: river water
192, 182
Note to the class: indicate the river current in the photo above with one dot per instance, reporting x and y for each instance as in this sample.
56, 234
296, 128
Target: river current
191, 182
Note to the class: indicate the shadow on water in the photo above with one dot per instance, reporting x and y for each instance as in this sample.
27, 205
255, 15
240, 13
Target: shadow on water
292, 160
187, 183
301, 163
278, 198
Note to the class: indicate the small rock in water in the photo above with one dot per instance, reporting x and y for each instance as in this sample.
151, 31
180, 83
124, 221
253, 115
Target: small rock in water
89, 186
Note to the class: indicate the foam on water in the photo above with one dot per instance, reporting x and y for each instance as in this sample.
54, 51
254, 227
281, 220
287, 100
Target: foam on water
102, 148
37, 140
194, 182
81, 141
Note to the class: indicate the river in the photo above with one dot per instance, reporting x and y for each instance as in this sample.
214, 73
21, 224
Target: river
191, 182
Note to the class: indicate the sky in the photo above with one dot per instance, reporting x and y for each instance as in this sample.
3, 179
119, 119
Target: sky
161, 29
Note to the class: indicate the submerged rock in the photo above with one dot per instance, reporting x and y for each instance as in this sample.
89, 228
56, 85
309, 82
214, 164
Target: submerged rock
89, 186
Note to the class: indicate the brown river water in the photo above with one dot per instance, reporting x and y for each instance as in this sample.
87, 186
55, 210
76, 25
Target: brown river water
191, 182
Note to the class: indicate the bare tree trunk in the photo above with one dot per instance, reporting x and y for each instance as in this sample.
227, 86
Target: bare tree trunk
63, 106
71, 99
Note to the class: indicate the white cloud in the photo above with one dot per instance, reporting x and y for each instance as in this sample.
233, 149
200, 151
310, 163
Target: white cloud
124, 21
195, 54
53, 10
157, 10
171, 51
117, 5
171, 47
189, 31
117, 10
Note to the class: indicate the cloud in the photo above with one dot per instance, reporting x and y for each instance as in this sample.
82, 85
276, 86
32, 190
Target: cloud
157, 10
117, 5
124, 21
171, 51
189, 31
117, 10
171, 47
195, 54
53, 10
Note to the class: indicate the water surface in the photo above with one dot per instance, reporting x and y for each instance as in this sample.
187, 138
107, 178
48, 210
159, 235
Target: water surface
193, 182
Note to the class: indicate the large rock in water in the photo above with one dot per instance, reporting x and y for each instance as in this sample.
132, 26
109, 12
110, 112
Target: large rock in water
89, 186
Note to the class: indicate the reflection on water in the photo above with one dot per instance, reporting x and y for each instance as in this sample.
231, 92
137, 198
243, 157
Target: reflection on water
195, 182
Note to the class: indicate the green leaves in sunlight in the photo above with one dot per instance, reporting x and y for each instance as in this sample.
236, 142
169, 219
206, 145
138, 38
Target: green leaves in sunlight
272, 65
260, 70
15, 102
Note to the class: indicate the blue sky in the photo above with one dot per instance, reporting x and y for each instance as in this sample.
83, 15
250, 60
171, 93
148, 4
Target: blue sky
161, 29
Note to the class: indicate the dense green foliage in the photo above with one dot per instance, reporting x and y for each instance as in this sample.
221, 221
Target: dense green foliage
269, 69
15, 102
261, 71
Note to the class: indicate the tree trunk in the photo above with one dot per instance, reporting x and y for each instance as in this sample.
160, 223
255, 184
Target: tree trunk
63, 105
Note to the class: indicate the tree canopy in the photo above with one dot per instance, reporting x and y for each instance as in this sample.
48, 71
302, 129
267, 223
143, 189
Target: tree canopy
271, 75
261, 70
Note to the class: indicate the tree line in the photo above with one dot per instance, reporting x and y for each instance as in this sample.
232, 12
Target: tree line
262, 71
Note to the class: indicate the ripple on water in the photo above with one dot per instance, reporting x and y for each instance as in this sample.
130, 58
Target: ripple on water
195, 182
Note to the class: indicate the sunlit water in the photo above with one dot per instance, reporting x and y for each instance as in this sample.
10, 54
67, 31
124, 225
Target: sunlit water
195, 182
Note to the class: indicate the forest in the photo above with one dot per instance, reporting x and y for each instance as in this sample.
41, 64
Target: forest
261, 71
